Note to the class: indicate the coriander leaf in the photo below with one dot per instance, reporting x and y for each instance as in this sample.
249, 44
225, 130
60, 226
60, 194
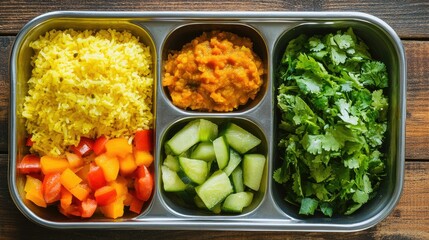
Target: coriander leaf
344, 108
308, 63
315, 44
333, 121
309, 83
375, 134
374, 74
379, 102
332, 141
319, 172
353, 161
344, 41
326, 209
360, 197
296, 186
338, 56
312, 143
308, 206
353, 208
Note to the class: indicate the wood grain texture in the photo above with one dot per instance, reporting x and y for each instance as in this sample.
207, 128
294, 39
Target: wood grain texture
408, 17
410, 219
417, 123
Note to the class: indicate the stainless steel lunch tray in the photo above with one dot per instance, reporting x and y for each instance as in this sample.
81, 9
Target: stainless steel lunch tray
270, 32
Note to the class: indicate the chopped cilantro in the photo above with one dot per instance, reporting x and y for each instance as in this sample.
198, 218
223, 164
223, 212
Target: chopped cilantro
333, 108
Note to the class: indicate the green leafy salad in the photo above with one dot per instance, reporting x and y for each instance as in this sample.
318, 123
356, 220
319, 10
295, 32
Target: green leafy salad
333, 122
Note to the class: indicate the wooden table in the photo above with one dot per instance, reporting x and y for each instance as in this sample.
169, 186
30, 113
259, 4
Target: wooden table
409, 18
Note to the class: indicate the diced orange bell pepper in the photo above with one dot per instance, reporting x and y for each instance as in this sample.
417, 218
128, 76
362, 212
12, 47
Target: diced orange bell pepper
69, 179
120, 185
143, 158
75, 161
66, 198
33, 189
114, 209
50, 164
81, 191
83, 171
127, 165
118, 147
109, 165
128, 199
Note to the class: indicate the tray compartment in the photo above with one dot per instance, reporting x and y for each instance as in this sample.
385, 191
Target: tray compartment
381, 47
184, 34
21, 71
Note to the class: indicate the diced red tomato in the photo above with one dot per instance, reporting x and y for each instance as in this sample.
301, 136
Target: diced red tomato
143, 140
100, 145
88, 207
72, 210
105, 195
95, 177
115, 176
51, 187
29, 142
143, 183
84, 147
136, 205
29, 164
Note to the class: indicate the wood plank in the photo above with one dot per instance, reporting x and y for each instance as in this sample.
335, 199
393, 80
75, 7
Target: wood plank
408, 18
417, 140
410, 219
417, 122
6, 43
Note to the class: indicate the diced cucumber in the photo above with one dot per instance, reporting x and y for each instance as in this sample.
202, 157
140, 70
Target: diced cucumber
237, 179
217, 208
171, 180
204, 151
253, 168
198, 202
221, 150
215, 189
184, 138
240, 139
172, 162
208, 131
196, 170
237, 201
234, 161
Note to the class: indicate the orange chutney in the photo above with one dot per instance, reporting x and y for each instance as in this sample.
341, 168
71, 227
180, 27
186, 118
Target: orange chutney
217, 71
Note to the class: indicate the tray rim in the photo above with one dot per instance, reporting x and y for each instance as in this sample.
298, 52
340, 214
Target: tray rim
181, 224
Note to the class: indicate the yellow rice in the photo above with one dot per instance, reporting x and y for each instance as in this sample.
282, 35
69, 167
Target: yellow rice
87, 83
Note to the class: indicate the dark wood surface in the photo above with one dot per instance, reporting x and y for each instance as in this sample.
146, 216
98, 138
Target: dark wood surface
410, 19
